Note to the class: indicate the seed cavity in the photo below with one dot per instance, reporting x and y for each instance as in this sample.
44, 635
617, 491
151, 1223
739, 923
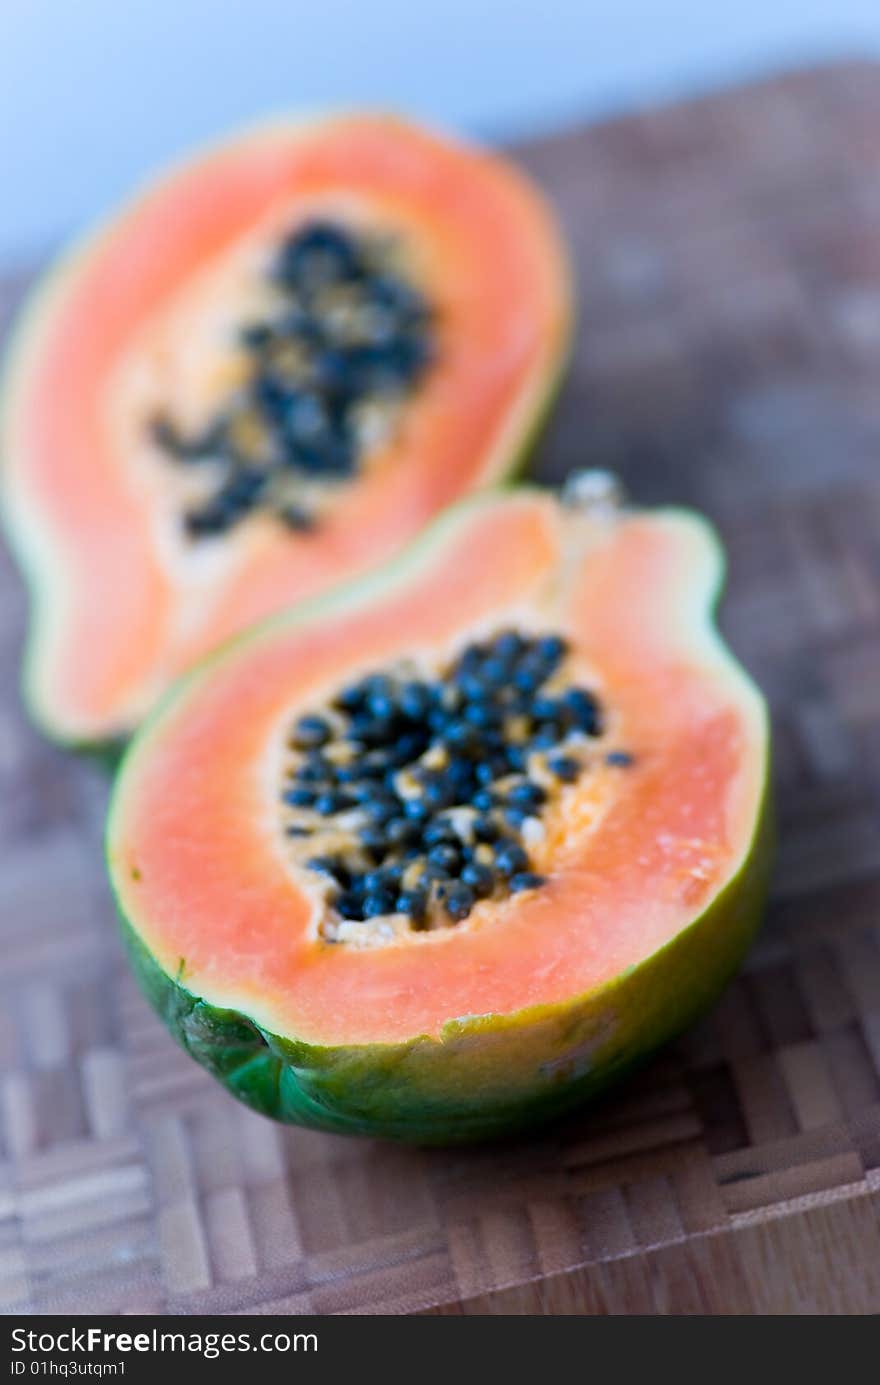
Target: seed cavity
413, 797
325, 377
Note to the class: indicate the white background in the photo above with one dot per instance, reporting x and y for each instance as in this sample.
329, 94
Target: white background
94, 93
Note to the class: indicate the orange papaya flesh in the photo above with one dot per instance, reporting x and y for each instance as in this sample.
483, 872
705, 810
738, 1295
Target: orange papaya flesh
652, 863
142, 325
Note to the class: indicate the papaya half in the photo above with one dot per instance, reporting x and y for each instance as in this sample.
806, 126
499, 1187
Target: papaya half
265, 375
442, 854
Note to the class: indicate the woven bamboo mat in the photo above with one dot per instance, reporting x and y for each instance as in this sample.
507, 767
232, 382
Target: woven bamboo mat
729, 357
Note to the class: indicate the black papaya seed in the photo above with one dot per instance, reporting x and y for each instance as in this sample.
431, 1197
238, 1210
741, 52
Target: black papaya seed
525, 880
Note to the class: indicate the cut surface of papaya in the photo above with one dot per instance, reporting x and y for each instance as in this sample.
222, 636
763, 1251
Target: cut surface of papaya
440, 855
265, 375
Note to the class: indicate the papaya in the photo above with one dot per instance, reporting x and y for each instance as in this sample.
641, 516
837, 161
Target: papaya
440, 855
264, 376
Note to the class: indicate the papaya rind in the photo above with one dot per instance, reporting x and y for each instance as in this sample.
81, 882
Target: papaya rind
486, 1076
27, 535
483, 1076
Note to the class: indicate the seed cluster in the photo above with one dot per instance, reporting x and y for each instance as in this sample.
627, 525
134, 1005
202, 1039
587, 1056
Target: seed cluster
422, 795
350, 339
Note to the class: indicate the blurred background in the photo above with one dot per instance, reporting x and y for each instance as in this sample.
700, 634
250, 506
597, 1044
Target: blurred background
728, 259
96, 93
